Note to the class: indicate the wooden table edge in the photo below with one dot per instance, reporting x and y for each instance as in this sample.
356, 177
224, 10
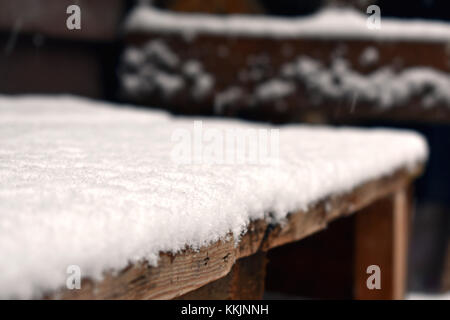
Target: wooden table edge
189, 270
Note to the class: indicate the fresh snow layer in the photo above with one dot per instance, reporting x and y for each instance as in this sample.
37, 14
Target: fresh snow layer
328, 23
90, 184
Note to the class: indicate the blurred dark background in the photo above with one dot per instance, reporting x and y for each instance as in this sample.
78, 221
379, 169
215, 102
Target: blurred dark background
39, 55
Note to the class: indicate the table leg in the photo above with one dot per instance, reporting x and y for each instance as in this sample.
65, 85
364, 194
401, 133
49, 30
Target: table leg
381, 240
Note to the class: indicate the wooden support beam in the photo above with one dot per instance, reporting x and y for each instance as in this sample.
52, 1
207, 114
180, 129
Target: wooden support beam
244, 282
381, 239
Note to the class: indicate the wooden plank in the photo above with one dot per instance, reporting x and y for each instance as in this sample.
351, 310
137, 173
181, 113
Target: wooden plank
235, 56
184, 272
174, 276
321, 266
244, 282
381, 239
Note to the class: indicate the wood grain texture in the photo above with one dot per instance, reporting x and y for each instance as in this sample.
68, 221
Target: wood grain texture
179, 274
246, 280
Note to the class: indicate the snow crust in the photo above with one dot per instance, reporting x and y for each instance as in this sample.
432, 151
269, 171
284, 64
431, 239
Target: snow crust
91, 184
328, 23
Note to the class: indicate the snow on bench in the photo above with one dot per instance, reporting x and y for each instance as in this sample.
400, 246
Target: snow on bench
144, 77
95, 185
325, 67
328, 23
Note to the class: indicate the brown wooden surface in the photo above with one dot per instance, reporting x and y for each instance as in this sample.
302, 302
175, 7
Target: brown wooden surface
227, 58
181, 273
245, 281
332, 264
381, 239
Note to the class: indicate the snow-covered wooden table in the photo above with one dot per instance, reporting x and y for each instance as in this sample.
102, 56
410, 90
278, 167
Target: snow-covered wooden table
91, 185
327, 67
223, 271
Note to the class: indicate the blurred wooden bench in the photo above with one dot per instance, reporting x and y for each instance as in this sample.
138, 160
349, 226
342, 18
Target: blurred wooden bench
225, 271
242, 61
